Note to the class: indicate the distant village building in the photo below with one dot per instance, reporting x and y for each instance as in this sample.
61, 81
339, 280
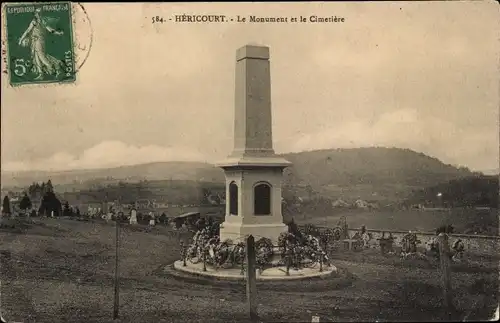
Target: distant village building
94, 210
144, 204
213, 200
339, 203
360, 204
214, 197
222, 198
160, 205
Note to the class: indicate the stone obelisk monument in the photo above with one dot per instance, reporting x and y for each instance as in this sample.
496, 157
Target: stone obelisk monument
253, 171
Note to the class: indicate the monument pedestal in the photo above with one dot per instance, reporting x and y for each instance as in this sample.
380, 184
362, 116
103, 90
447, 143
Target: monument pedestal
253, 204
238, 231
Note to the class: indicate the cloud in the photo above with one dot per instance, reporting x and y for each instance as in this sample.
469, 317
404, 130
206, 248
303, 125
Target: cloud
406, 128
390, 128
106, 154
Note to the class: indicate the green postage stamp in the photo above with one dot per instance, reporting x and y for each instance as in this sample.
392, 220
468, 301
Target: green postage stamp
40, 43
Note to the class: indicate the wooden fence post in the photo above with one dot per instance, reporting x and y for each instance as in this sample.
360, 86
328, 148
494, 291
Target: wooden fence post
184, 256
251, 278
321, 263
288, 260
2, 320
116, 304
183, 253
444, 258
204, 259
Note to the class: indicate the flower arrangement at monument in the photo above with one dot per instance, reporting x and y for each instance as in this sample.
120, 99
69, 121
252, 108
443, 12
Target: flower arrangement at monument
263, 252
301, 250
207, 247
296, 250
225, 254
195, 249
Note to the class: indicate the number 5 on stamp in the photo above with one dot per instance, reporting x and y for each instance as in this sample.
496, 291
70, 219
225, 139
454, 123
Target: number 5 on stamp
40, 43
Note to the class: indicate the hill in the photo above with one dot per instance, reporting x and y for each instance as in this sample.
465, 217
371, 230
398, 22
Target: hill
368, 173
376, 174
94, 178
370, 166
162, 192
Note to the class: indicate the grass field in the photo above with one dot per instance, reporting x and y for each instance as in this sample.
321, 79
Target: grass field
61, 270
464, 221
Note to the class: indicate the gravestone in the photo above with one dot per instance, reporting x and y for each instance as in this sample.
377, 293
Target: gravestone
151, 219
133, 217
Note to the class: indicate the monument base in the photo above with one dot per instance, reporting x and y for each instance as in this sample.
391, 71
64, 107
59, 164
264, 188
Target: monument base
273, 273
238, 231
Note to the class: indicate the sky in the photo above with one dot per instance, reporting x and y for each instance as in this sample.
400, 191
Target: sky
422, 76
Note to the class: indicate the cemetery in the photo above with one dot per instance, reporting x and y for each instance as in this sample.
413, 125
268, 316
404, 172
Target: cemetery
251, 266
79, 258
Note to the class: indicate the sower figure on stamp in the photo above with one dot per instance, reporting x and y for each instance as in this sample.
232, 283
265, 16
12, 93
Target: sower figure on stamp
34, 37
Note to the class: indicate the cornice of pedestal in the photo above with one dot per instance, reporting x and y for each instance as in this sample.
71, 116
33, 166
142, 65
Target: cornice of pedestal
252, 162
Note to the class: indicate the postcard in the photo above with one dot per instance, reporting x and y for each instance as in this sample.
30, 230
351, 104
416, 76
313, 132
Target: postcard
250, 162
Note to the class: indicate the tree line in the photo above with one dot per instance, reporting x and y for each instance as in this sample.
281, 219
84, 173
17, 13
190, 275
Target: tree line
44, 192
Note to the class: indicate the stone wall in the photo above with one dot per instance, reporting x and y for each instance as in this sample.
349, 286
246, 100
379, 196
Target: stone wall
476, 244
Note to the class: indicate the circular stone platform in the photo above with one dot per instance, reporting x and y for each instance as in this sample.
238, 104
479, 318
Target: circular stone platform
274, 273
